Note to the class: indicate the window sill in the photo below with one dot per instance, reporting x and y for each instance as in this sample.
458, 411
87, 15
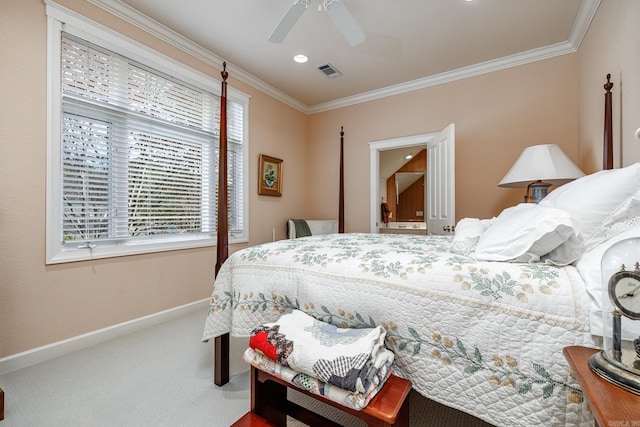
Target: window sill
71, 253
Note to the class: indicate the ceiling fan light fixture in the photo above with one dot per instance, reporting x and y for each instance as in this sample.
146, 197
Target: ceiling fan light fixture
336, 10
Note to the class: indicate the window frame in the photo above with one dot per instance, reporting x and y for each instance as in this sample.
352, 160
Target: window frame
59, 20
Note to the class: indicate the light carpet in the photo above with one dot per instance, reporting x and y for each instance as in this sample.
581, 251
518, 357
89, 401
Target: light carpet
159, 376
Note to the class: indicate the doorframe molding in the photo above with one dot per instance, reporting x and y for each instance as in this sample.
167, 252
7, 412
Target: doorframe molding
374, 166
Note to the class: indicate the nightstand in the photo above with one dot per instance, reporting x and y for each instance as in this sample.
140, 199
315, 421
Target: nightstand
610, 404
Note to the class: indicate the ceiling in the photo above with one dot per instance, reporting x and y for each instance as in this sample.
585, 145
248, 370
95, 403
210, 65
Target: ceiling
409, 44
392, 160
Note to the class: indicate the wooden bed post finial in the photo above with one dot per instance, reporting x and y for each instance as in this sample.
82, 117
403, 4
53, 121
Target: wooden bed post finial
224, 73
608, 85
607, 157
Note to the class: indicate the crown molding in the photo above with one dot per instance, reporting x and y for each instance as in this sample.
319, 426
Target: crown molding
585, 15
587, 11
153, 27
450, 76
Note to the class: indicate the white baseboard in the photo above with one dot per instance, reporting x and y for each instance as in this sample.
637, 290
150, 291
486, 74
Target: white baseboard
50, 351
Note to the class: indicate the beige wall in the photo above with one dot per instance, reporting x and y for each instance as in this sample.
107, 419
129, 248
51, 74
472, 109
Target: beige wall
612, 46
496, 115
42, 304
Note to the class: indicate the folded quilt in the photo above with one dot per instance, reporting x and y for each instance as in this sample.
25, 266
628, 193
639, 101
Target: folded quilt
306, 382
346, 358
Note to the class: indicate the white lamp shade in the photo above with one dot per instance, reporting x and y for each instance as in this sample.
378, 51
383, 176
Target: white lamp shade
546, 163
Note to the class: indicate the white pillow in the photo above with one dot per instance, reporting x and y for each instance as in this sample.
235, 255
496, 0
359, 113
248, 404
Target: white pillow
524, 233
567, 252
591, 199
590, 268
624, 217
467, 234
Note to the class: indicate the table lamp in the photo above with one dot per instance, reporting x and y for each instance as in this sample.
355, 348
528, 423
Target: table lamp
539, 167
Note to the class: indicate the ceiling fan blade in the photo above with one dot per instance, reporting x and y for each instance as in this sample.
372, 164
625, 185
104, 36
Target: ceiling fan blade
288, 21
341, 17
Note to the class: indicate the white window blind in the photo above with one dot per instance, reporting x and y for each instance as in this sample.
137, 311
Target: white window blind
139, 152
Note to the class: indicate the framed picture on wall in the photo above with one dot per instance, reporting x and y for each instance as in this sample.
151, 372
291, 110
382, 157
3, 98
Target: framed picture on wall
270, 176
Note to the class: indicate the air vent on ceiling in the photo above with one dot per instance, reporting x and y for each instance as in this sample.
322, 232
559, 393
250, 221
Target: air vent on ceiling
330, 71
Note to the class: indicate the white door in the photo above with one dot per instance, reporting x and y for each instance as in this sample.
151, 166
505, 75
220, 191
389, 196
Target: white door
440, 188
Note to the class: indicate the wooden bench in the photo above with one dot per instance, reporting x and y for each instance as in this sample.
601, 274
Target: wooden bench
269, 403
252, 420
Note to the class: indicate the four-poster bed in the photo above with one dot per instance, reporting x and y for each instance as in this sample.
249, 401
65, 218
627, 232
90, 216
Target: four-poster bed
221, 343
478, 335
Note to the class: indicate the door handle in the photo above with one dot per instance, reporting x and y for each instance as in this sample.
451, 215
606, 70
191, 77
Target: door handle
449, 228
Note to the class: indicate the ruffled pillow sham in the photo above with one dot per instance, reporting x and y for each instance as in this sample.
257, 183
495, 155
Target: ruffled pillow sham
467, 234
599, 202
528, 232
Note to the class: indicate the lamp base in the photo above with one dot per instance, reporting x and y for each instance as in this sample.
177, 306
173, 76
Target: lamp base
539, 190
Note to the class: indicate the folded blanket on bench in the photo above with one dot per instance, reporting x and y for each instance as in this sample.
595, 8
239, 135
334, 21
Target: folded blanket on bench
355, 401
346, 358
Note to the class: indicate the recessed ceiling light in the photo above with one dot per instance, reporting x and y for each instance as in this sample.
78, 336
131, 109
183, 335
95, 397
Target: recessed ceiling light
300, 58
408, 156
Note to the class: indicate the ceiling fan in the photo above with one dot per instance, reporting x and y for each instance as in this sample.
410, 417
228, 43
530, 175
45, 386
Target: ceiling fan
337, 12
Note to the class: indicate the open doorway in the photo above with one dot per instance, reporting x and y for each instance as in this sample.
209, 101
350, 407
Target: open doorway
439, 187
402, 172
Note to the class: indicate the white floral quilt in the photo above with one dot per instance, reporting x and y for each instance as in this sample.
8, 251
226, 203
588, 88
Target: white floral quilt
482, 337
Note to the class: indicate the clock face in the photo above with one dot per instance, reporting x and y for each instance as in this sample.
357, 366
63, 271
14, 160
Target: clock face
624, 292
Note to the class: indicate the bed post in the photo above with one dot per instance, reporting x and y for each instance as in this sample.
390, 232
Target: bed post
341, 193
221, 343
608, 128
